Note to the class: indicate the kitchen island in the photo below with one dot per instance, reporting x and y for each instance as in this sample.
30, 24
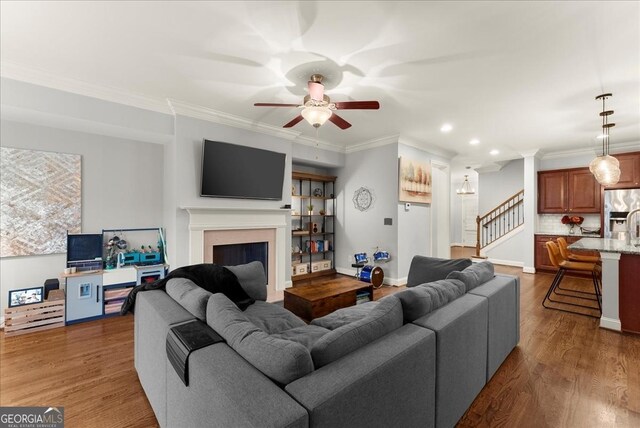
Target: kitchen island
620, 282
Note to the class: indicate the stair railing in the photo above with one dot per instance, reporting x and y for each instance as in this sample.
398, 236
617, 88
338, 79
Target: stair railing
499, 221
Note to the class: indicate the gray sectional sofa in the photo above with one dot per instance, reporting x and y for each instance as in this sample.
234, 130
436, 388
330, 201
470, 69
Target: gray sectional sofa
416, 358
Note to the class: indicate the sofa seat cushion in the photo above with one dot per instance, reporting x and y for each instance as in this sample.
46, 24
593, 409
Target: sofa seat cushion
474, 275
252, 279
188, 295
422, 299
429, 269
272, 318
306, 335
384, 318
281, 360
344, 316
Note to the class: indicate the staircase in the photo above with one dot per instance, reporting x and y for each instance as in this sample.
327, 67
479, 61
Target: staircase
498, 222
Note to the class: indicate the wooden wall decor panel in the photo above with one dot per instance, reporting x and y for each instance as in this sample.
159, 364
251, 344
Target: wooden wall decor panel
40, 199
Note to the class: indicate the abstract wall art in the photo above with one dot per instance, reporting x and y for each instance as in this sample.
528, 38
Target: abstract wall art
414, 181
40, 195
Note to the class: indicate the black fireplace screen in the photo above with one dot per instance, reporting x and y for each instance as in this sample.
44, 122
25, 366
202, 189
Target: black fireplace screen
237, 254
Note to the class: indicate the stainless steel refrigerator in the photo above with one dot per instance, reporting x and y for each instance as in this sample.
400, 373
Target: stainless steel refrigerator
617, 204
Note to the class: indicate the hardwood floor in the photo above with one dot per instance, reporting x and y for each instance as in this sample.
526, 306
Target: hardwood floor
566, 371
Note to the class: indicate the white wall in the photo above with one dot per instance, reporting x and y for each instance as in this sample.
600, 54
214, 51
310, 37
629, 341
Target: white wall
495, 187
415, 227
121, 188
363, 231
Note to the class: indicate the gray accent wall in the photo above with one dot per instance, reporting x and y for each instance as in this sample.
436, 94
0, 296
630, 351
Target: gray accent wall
121, 188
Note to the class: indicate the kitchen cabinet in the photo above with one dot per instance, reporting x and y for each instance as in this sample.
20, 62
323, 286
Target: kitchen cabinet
629, 290
568, 191
629, 171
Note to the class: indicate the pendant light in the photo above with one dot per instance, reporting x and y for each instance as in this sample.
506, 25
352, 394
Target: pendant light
466, 188
605, 168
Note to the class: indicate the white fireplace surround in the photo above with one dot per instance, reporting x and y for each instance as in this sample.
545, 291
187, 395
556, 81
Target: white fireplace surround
203, 220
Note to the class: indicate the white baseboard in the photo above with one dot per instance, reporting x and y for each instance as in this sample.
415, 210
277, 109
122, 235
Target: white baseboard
610, 324
528, 269
506, 262
395, 282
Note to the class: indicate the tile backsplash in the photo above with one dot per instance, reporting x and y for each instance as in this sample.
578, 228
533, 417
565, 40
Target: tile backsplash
552, 224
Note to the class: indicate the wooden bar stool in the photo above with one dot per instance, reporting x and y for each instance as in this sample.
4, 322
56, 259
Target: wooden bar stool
563, 266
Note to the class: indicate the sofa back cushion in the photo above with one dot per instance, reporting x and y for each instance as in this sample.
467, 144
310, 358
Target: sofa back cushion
281, 360
423, 299
252, 278
429, 269
191, 297
384, 318
475, 275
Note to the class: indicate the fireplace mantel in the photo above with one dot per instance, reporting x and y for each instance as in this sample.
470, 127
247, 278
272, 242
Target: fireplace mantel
203, 220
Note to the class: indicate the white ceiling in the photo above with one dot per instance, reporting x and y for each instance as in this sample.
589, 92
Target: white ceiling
518, 76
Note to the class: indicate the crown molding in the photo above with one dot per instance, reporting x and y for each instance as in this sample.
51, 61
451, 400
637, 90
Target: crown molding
536, 153
322, 144
370, 144
38, 77
40, 118
436, 151
183, 108
594, 151
492, 167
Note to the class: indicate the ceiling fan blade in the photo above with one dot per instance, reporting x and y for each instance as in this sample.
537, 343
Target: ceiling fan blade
339, 122
274, 105
294, 122
363, 105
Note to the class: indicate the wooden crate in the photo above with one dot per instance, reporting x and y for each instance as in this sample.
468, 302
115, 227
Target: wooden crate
36, 316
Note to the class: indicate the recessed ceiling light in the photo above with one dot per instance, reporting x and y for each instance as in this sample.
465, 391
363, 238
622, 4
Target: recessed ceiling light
474, 142
446, 127
494, 152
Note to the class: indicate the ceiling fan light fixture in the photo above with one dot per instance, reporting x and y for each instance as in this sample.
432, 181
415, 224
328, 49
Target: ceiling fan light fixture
316, 116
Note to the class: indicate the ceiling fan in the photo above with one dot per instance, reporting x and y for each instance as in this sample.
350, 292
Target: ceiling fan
317, 108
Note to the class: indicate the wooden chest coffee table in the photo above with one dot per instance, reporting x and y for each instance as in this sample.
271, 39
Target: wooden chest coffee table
314, 301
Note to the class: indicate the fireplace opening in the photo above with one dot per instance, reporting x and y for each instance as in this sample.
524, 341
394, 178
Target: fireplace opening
238, 254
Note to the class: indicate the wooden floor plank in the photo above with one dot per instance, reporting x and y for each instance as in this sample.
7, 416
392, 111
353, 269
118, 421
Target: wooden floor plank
566, 371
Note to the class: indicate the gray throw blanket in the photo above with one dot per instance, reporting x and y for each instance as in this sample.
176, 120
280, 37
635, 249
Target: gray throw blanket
213, 278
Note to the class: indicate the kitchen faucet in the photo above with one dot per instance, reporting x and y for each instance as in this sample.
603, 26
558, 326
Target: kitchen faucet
630, 227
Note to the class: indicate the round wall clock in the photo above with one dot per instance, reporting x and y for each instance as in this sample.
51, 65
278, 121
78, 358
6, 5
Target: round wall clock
363, 198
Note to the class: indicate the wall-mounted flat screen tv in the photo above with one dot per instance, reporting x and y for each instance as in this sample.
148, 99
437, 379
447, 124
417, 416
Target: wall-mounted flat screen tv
233, 171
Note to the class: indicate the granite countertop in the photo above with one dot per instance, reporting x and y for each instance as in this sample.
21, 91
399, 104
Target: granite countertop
605, 245
586, 235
